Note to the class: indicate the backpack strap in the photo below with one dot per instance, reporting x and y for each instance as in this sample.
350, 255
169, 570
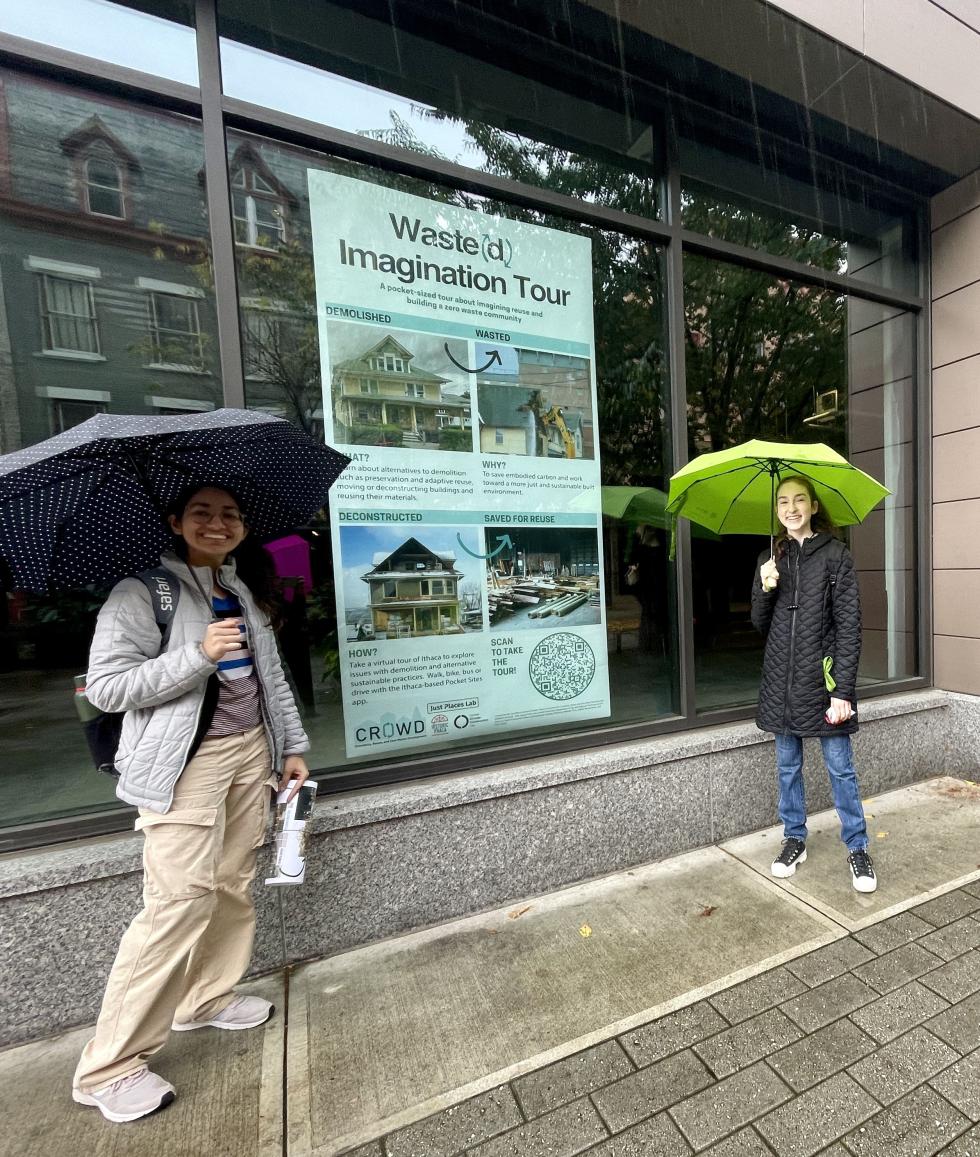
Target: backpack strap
164, 591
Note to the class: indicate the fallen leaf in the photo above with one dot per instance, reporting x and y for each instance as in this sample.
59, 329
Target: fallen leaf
881, 835
708, 910
585, 930
519, 912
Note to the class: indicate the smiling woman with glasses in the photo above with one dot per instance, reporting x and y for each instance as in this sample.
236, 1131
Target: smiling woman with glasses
210, 726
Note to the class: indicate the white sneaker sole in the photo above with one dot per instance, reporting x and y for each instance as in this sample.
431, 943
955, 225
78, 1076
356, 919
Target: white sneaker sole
863, 884
782, 871
120, 1118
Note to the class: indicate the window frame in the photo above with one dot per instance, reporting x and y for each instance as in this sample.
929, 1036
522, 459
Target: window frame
88, 184
155, 328
221, 114
45, 278
253, 198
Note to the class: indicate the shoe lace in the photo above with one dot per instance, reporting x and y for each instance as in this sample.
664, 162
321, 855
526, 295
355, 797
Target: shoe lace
128, 1081
790, 851
861, 862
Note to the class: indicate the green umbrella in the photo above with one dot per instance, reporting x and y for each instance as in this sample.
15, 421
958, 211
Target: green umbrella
733, 491
641, 504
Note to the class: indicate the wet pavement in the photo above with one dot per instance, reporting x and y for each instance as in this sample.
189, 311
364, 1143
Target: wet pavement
689, 1006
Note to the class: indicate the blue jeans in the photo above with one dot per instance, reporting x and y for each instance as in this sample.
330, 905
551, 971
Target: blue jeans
843, 782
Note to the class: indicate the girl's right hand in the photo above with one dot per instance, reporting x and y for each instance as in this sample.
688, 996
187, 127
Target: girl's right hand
221, 637
769, 574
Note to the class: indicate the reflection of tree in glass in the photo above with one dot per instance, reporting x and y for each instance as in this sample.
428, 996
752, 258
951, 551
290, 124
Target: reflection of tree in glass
760, 350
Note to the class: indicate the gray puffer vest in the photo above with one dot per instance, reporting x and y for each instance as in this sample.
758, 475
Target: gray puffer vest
163, 694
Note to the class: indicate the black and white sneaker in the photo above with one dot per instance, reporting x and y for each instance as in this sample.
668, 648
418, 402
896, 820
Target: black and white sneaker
862, 871
793, 853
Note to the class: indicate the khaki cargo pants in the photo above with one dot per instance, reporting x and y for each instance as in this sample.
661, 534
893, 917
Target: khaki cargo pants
191, 943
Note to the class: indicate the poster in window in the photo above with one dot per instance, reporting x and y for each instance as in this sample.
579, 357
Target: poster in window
459, 373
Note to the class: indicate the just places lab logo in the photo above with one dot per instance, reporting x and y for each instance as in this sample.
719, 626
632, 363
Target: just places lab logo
443, 724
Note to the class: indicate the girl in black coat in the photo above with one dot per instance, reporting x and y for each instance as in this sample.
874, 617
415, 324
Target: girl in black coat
805, 601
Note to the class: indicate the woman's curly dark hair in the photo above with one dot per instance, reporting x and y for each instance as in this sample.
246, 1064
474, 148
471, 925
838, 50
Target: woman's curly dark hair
253, 564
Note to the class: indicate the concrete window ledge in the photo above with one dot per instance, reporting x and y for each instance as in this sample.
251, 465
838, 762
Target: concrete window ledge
394, 859
44, 868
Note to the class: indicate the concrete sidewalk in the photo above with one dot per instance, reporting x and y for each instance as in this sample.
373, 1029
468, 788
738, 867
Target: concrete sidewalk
694, 1005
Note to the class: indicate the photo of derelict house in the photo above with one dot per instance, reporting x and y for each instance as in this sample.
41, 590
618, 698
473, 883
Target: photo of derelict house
394, 388
401, 586
542, 577
534, 403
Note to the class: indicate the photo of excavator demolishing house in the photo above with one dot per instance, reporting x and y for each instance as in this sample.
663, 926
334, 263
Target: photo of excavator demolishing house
537, 404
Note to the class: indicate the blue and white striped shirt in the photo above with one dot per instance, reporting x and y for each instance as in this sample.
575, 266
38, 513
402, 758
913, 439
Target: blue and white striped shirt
238, 706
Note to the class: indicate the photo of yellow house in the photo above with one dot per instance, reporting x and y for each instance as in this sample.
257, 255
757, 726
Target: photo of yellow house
382, 397
514, 420
414, 591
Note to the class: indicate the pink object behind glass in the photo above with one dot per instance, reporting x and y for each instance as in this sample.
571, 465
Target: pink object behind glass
291, 559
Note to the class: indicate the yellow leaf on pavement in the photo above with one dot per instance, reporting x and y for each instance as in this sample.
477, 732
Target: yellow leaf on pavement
585, 930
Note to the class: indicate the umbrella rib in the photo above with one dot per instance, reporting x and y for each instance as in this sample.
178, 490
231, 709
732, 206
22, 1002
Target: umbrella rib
737, 497
820, 482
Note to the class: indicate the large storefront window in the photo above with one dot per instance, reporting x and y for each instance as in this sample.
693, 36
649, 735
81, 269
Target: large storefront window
778, 360
404, 393
106, 305
384, 139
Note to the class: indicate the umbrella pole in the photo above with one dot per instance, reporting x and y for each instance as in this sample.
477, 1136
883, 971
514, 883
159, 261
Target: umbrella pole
772, 512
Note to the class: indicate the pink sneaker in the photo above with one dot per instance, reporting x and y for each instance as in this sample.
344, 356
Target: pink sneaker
131, 1097
241, 1012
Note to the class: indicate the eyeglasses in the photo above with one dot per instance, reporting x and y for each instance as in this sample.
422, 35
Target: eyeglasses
229, 517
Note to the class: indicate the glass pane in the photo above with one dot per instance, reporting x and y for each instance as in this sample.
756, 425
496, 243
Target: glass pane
175, 313
777, 360
844, 230
105, 202
104, 173
162, 43
536, 405
477, 98
77, 319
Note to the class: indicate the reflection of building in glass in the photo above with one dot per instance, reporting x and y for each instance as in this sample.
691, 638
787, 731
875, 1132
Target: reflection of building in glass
518, 421
414, 591
382, 388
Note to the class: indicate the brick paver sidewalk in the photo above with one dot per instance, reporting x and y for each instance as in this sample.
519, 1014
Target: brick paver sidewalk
869, 1046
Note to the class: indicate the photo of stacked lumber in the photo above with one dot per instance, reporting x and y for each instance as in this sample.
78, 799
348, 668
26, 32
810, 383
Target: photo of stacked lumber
546, 577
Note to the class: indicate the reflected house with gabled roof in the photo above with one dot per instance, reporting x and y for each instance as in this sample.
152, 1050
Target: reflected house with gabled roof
382, 387
414, 591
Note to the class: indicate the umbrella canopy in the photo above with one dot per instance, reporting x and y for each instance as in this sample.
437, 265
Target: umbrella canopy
87, 505
641, 504
733, 491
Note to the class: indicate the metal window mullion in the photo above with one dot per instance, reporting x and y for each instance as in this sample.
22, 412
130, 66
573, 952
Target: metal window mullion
922, 419
218, 189
684, 585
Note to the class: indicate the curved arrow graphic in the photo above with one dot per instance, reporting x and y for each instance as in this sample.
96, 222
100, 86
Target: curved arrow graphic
503, 539
495, 359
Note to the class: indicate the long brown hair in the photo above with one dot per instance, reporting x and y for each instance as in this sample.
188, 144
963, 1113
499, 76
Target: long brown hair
820, 522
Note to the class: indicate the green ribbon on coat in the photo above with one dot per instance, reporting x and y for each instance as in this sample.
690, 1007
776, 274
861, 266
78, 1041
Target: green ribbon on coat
828, 680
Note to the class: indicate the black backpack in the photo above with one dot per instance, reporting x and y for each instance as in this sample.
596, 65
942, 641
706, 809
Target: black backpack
103, 728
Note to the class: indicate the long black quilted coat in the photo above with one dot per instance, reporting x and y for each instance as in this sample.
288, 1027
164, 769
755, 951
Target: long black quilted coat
814, 611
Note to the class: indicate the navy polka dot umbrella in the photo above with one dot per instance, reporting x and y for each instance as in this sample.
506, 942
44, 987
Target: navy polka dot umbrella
86, 507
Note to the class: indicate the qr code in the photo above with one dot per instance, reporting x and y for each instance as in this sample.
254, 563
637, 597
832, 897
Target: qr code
562, 665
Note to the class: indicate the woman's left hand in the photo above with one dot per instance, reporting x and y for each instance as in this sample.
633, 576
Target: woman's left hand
294, 770
840, 711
